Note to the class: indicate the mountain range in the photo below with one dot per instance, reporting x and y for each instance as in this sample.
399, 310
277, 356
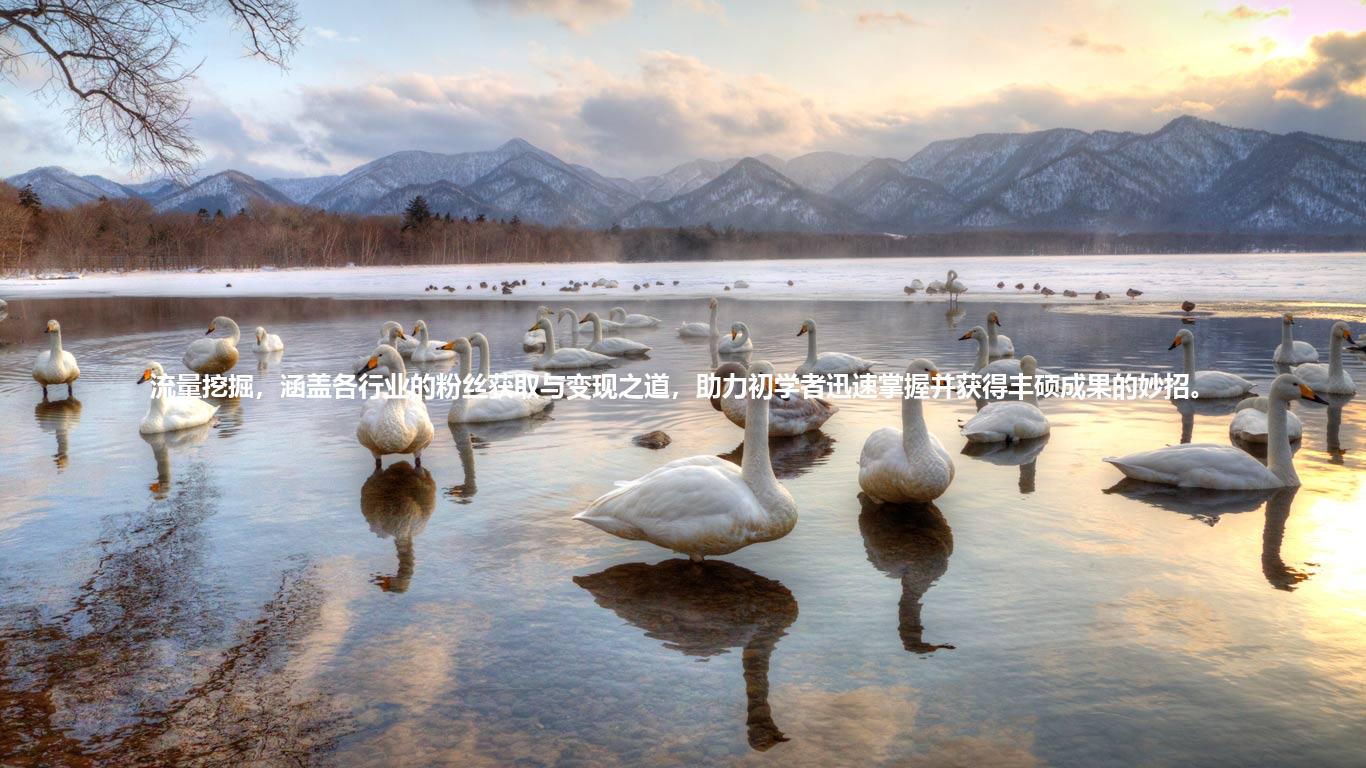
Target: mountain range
1191, 175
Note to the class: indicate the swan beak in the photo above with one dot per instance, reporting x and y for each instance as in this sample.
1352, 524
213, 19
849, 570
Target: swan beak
583, 320
936, 379
965, 336
370, 365
768, 386
448, 345
732, 336
534, 327
146, 376
1308, 394
211, 330
402, 335
998, 324
1346, 334
1175, 344
802, 332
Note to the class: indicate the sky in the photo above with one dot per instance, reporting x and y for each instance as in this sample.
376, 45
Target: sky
634, 87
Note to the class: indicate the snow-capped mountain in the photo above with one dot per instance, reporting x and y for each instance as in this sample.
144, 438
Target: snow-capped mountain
301, 190
442, 198
229, 192
156, 189
60, 188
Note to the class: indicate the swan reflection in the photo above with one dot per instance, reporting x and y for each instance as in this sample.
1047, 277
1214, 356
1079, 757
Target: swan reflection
792, 456
1020, 453
1277, 573
703, 610
58, 417
163, 443
463, 492
1203, 504
264, 360
397, 502
1190, 408
911, 543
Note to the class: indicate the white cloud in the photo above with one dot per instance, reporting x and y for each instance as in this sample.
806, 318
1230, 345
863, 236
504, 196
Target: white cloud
576, 15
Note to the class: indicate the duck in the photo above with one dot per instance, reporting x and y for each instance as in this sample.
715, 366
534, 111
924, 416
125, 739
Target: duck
168, 412
1208, 384
393, 423
428, 351
267, 342
999, 344
1249, 423
1224, 467
828, 363
1007, 421
737, 342
534, 340
705, 330
954, 287
1330, 379
789, 413
494, 405
984, 365
1289, 351
480, 342
613, 347
907, 465
632, 320
566, 357
211, 357
55, 366
704, 506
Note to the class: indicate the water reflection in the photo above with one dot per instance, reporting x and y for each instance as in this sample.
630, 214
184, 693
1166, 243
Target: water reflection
704, 610
264, 360
792, 456
163, 443
911, 543
58, 417
463, 492
1020, 453
1203, 504
1333, 427
1192, 407
230, 416
1274, 568
397, 501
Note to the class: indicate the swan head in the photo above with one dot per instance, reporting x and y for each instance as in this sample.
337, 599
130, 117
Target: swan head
479, 340
569, 313
260, 334
808, 326
923, 366
544, 310
977, 332
460, 346
53, 327
731, 370
1028, 365
953, 275
384, 355
543, 324
711, 303
994, 319
763, 370
391, 330
736, 329
615, 311
152, 371
591, 317
1288, 319
1288, 387
420, 329
1340, 329
1183, 337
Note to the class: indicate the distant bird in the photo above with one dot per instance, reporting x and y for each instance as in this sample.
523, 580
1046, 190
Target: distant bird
229, 285
1101, 295
675, 282
727, 288
483, 284
908, 289
1188, 305
1001, 284
789, 282
1047, 291
1019, 286
1133, 293
542, 282
1036, 286
450, 289
1069, 293
636, 287
661, 282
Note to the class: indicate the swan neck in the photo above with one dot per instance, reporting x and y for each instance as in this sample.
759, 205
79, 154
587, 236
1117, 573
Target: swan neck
991, 333
1278, 457
549, 338
755, 467
1335, 357
234, 332
711, 315
466, 368
597, 329
54, 343
485, 365
912, 422
811, 345
1287, 338
1188, 354
983, 354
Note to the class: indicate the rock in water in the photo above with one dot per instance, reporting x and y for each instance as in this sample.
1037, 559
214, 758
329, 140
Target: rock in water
653, 440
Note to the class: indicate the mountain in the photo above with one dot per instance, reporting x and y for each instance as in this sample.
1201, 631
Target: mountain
304, 189
156, 189
229, 192
60, 188
442, 197
549, 192
681, 179
884, 193
821, 171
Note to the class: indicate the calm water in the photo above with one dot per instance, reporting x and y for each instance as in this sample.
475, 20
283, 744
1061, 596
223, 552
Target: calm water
252, 594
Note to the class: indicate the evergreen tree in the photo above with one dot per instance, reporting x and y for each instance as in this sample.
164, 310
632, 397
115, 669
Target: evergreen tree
480, 219
515, 220
417, 214
30, 199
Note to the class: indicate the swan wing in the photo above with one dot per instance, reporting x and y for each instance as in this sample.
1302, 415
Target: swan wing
1003, 421
795, 415
1220, 384
1197, 465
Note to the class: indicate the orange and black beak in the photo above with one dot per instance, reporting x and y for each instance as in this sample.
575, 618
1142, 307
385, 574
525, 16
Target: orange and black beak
1176, 343
938, 380
370, 365
450, 345
1308, 394
146, 376
732, 334
802, 332
1346, 334
965, 336
211, 330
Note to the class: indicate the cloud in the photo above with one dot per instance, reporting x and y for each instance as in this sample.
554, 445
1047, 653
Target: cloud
711, 8
576, 15
885, 19
1244, 13
1082, 40
1340, 66
1263, 45
332, 35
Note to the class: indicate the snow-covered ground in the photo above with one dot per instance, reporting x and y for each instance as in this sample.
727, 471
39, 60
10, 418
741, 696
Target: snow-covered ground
1337, 277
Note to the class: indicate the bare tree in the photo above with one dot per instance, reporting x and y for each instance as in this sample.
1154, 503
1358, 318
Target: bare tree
119, 61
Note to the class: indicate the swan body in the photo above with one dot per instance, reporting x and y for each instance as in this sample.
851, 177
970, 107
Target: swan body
211, 357
495, 405
632, 320
1249, 423
953, 286
1000, 344
1330, 378
1289, 351
901, 466
738, 341
169, 412
1208, 384
391, 333
534, 340
566, 357
828, 363
615, 346
56, 365
789, 414
429, 351
1224, 467
268, 342
395, 423
1007, 421
985, 366
704, 505
705, 330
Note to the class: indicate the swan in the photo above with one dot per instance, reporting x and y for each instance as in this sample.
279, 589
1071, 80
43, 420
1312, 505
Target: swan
396, 423
1208, 384
738, 341
935, 286
480, 342
705, 330
1249, 423
168, 412
534, 340
496, 405
1289, 351
214, 356
984, 365
56, 365
615, 346
789, 413
1224, 467
828, 363
567, 357
917, 285
267, 342
704, 505
1000, 344
901, 466
954, 286
391, 333
429, 351
1331, 378
632, 320
1010, 420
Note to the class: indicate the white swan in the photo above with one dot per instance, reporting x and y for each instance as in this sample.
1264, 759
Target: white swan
705, 330
267, 342
214, 356
1000, 344
393, 423
738, 341
1249, 423
984, 366
534, 340
616, 346
428, 351
169, 412
935, 286
391, 333
566, 357
1208, 384
56, 365
704, 505
496, 405
789, 413
901, 466
828, 363
533, 378
632, 320
1330, 378
1289, 351
1010, 420
954, 286
917, 285
1224, 467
